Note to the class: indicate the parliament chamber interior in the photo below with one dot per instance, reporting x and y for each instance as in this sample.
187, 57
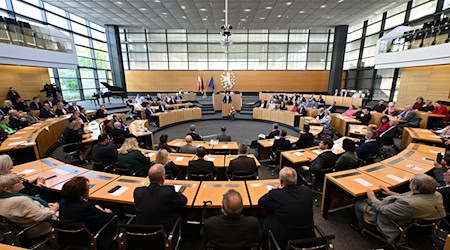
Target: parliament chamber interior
274, 125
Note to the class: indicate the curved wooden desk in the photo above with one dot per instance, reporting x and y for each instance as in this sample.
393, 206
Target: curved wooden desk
418, 134
279, 116
179, 115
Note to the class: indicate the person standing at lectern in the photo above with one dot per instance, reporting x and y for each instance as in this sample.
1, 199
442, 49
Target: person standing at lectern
227, 98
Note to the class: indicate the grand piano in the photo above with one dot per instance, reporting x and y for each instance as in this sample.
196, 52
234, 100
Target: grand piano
113, 91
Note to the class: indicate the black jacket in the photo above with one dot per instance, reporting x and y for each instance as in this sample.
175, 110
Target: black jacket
105, 154
46, 114
99, 114
242, 163
366, 149
201, 166
387, 137
16, 123
224, 100
289, 213
273, 133
305, 141
379, 108
324, 160
281, 144
157, 204
231, 232
195, 136
36, 106
59, 112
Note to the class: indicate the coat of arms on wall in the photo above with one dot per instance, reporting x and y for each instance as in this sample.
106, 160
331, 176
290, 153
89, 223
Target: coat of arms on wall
227, 80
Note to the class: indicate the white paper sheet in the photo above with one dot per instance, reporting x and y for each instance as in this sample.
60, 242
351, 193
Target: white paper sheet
59, 171
316, 151
434, 152
414, 167
210, 159
395, 178
298, 153
26, 171
119, 191
17, 143
224, 146
269, 187
177, 144
151, 154
363, 182
179, 158
177, 187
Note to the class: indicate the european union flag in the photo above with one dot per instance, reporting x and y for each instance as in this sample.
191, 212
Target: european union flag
211, 84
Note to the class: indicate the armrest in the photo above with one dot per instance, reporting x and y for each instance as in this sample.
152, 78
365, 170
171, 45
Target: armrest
272, 239
177, 225
319, 230
132, 218
139, 171
112, 221
47, 220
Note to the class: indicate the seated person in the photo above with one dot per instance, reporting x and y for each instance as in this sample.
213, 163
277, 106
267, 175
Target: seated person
321, 114
131, 158
306, 139
326, 119
419, 103
242, 163
358, 112
289, 209
76, 107
365, 116
72, 135
444, 189
409, 116
272, 105
391, 109
51, 101
263, 104
349, 159
119, 131
281, 143
149, 112
223, 136
380, 107
157, 204
283, 106
61, 99
302, 110
194, 135
60, 109
274, 132
104, 151
428, 106
421, 203
440, 109
162, 157
332, 108
101, 112
5, 127
350, 111
369, 147
387, 137
163, 143
232, 230
295, 108
7, 106
188, 148
384, 124
321, 100
83, 116
36, 104
45, 112
162, 107
24, 210
109, 126
325, 160
444, 134
15, 121
75, 208
20, 105
201, 166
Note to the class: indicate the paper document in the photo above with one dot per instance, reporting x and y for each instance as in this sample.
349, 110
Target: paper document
224, 146
316, 151
59, 171
199, 145
363, 182
414, 167
119, 191
17, 143
177, 187
26, 171
298, 153
179, 158
434, 152
395, 178
210, 159
150, 155
269, 187
177, 144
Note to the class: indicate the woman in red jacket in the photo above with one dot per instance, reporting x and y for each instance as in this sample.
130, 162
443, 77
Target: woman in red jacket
440, 109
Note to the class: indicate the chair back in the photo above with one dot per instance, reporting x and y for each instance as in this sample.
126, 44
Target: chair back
72, 148
420, 234
98, 165
121, 171
319, 243
200, 177
142, 237
118, 141
243, 175
65, 234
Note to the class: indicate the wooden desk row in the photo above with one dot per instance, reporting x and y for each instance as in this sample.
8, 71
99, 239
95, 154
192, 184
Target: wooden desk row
179, 115
168, 106
57, 173
340, 123
189, 96
424, 116
329, 99
279, 116
342, 188
418, 134
231, 147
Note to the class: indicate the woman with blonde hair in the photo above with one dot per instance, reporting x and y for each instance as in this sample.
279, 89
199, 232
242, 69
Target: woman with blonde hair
7, 106
131, 158
162, 157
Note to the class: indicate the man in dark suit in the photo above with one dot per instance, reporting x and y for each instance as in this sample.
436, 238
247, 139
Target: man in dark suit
364, 116
302, 110
74, 106
223, 136
104, 151
380, 107
51, 101
274, 132
13, 95
325, 160
306, 139
101, 112
157, 204
289, 209
231, 230
194, 135
162, 107
15, 121
119, 130
19, 105
46, 112
227, 98
370, 145
281, 143
332, 107
387, 137
83, 116
409, 116
36, 104
242, 162
201, 166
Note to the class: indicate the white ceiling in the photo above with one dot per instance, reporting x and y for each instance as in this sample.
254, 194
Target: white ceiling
243, 14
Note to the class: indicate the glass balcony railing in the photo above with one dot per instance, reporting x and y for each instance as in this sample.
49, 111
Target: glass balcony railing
33, 36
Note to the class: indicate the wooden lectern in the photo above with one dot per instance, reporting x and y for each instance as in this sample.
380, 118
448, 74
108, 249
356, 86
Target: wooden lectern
226, 108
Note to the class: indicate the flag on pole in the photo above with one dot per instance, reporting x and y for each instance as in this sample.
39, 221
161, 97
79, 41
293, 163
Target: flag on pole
200, 84
211, 84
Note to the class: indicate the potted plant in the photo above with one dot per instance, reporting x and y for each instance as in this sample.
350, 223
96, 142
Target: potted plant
232, 113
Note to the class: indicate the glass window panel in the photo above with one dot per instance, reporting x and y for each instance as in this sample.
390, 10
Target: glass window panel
241, 48
354, 35
422, 10
57, 20
353, 55
138, 65
258, 37
316, 65
101, 55
237, 57
50, 72
54, 9
198, 65
262, 65
214, 37
156, 37
317, 57
298, 38
318, 47
261, 48
197, 38
124, 57
83, 51
237, 65
77, 18
296, 66
158, 57
122, 36
27, 10
367, 62
178, 65
85, 62
298, 47
371, 40
198, 57
276, 65
252, 57
351, 64
177, 57
3, 4
88, 83
100, 45
97, 27
102, 75
176, 37
98, 35
177, 47
278, 38
239, 38
374, 28
69, 83
137, 47
297, 57
396, 10
374, 19
369, 52
222, 57
318, 38
136, 37
279, 47
88, 93
217, 65
157, 47
67, 73
193, 47
159, 65
385, 73
137, 56
70, 95
102, 64
215, 48
78, 28
355, 27
395, 20
81, 40
277, 57
355, 45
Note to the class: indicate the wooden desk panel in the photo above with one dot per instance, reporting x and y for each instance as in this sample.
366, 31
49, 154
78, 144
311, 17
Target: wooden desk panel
97, 180
354, 129
181, 160
36, 167
258, 188
408, 165
218, 160
315, 130
205, 144
232, 146
417, 134
427, 158
392, 176
298, 156
177, 143
214, 190
57, 175
257, 113
425, 148
228, 158
355, 182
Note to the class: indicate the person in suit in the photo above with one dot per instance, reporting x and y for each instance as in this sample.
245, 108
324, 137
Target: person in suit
162, 107
380, 106
72, 135
231, 230
157, 204
306, 139
83, 116
104, 151
289, 209
325, 160
227, 98
201, 166
364, 117
60, 109
149, 112
7, 106
332, 108
223, 136
428, 106
281, 143
119, 131
194, 135
19, 105
51, 101
45, 112
263, 104
387, 137
369, 147
349, 159
163, 139
13, 95
419, 103
409, 116
421, 203
242, 162
75, 208
31, 118
302, 110
188, 148
36, 104
274, 132
101, 112
283, 106
15, 121
61, 99
391, 109
74, 106
130, 157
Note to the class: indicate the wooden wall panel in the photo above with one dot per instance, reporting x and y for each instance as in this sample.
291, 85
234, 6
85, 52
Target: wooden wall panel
248, 81
432, 83
26, 80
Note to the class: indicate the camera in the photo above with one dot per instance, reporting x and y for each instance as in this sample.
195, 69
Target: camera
226, 30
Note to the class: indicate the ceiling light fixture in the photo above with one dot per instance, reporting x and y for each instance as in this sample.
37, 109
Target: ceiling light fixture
203, 9
226, 42
143, 9
340, 1
205, 19
183, 7
288, 3
301, 12
279, 16
243, 19
164, 13
262, 18
119, 2
323, 6
247, 10
268, 7
156, 1
184, 17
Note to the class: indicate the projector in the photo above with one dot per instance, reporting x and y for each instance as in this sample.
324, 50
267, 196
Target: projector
226, 30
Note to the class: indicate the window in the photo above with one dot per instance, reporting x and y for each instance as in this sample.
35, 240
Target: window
422, 8
57, 20
54, 9
3, 4
27, 10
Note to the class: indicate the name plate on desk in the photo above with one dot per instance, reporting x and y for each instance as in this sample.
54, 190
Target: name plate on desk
223, 185
97, 176
345, 175
374, 168
254, 185
131, 181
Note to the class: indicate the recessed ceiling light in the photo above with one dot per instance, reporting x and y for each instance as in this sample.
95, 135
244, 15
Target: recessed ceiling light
119, 2
268, 7
203, 9
184, 17
156, 1
222, 19
301, 12
279, 16
243, 19
143, 9
323, 6
204, 19
247, 10
288, 3
164, 13
183, 7
340, 1
287, 16
262, 18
